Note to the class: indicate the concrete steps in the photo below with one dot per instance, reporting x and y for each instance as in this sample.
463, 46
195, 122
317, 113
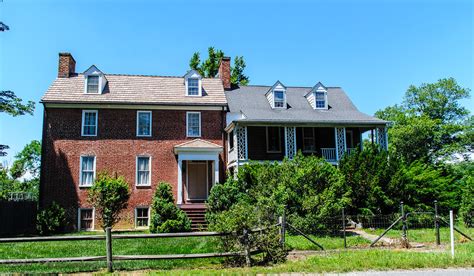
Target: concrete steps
197, 215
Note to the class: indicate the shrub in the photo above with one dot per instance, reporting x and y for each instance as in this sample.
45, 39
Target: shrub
467, 203
166, 217
109, 195
51, 219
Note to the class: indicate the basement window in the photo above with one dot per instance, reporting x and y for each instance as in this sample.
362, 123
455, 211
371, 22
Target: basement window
86, 219
142, 217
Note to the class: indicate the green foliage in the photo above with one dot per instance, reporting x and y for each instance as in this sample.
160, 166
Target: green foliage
466, 171
209, 68
51, 220
12, 105
166, 217
28, 160
109, 195
11, 185
430, 123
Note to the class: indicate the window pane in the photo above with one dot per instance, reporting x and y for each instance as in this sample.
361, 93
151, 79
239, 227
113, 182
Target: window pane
193, 124
320, 100
144, 120
93, 84
86, 219
143, 173
90, 123
193, 87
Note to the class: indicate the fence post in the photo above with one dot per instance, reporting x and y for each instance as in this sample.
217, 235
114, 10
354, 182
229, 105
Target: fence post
108, 242
248, 262
404, 225
344, 227
438, 240
282, 221
451, 231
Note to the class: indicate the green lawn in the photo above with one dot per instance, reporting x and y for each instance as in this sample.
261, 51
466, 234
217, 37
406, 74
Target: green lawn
333, 261
426, 235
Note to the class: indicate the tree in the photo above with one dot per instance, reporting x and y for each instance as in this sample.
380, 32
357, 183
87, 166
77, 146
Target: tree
28, 160
166, 217
430, 123
209, 68
12, 105
109, 195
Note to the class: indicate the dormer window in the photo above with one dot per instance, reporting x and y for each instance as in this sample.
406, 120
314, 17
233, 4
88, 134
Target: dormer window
276, 95
94, 81
92, 84
193, 87
318, 97
193, 84
279, 98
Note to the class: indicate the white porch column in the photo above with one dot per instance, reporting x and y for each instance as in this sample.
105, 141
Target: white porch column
180, 181
216, 171
340, 137
242, 152
290, 142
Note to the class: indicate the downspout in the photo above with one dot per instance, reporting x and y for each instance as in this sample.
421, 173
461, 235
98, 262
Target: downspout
42, 175
224, 142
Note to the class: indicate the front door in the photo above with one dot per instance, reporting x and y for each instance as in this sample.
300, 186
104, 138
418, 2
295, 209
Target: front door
197, 180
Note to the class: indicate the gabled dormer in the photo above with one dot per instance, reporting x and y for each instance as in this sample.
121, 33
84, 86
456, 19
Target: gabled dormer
318, 97
193, 83
276, 96
94, 81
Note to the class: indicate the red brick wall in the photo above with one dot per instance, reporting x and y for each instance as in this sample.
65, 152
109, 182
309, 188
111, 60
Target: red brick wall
115, 147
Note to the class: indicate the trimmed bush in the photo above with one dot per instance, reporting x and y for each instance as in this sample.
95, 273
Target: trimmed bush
109, 195
51, 220
166, 217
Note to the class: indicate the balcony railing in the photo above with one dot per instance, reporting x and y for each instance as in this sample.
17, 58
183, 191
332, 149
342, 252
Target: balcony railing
329, 154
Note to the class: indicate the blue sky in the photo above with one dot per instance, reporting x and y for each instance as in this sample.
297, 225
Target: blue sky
373, 49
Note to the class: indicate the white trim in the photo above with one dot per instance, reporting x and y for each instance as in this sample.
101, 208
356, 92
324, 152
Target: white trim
84, 111
79, 210
279, 138
80, 170
325, 100
199, 87
99, 85
151, 118
136, 171
187, 124
187, 179
149, 217
157, 106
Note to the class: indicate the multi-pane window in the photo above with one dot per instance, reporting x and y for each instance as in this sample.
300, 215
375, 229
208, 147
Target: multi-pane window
87, 170
89, 123
141, 216
279, 98
144, 123
309, 143
92, 84
273, 139
193, 87
86, 219
320, 99
193, 124
143, 170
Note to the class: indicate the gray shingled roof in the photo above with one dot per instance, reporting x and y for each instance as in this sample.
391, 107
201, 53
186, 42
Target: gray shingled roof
253, 104
135, 89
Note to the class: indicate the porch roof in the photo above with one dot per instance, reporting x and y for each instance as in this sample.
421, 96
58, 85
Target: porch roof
197, 145
250, 103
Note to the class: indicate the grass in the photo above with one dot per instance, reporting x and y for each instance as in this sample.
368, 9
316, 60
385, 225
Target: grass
334, 261
425, 235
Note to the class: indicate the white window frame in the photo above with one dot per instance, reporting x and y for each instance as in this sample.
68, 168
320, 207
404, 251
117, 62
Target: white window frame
79, 210
284, 98
199, 87
187, 123
136, 217
80, 171
138, 120
325, 100
96, 122
136, 171
279, 138
99, 85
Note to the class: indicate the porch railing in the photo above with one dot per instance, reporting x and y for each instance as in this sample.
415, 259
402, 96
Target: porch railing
329, 154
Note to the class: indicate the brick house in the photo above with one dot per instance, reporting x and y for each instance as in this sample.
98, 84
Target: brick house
187, 131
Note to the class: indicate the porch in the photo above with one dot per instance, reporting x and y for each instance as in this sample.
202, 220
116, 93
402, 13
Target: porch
274, 143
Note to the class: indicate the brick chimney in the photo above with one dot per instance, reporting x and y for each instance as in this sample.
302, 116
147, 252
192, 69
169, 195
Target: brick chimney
67, 65
224, 72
